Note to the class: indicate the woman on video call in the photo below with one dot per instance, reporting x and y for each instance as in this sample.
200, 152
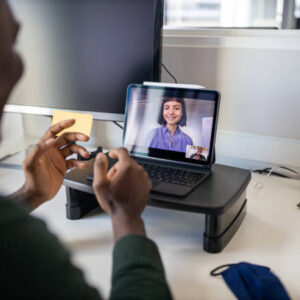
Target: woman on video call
169, 136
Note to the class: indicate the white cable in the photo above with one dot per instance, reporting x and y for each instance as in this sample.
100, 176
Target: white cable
260, 183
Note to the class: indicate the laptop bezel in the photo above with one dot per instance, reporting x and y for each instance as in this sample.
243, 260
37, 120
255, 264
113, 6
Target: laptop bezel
186, 161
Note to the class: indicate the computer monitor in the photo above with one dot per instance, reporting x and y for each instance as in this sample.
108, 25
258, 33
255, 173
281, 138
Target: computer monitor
81, 55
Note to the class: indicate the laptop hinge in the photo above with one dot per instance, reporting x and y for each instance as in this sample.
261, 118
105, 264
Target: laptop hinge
172, 163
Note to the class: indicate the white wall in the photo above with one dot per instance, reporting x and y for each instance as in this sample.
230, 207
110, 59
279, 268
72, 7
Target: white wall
257, 73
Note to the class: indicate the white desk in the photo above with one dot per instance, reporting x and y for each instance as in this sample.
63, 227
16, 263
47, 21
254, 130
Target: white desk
269, 236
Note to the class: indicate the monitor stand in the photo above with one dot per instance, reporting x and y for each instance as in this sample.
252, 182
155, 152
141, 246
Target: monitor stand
221, 197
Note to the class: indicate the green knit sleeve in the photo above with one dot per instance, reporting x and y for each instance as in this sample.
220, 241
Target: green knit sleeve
138, 272
33, 263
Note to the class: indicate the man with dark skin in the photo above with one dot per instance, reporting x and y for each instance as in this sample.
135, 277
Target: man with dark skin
198, 155
33, 263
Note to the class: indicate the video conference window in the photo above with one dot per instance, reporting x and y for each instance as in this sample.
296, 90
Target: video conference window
157, 121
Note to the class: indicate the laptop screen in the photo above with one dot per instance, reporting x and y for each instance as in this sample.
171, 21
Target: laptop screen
171, 123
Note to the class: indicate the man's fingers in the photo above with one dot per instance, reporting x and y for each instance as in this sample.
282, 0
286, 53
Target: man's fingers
36, 152
71, 149
74, 163
100, 169
70, 137
124, 160
119, 153
111, 172
57, 128
149, 183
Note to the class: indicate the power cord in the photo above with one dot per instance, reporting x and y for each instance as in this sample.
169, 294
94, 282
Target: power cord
11, 165
169, 72
260, 183
116, 123
280, 171
8, 156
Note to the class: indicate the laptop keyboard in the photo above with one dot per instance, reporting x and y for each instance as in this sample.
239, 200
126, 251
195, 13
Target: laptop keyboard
174, 176
162, 174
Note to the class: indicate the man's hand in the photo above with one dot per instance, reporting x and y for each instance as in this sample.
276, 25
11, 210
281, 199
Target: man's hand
46, 164
122, 192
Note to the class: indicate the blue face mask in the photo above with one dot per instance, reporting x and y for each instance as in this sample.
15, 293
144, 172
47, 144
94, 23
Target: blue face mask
251, 282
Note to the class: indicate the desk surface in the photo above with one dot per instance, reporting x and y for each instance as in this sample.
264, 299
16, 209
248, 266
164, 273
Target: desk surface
269, 236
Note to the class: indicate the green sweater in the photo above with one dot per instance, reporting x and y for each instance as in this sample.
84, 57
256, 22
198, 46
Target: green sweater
34, 265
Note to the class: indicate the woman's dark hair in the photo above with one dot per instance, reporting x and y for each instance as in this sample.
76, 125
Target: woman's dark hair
162, 121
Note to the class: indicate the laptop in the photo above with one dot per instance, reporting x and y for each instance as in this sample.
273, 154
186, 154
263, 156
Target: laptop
171, 132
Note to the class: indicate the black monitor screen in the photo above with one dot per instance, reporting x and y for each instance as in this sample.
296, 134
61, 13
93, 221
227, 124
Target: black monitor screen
82, 54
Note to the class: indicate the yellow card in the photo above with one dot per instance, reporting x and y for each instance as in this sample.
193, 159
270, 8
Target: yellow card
83, 122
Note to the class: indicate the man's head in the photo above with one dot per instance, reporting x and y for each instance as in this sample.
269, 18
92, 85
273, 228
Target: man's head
199, 150
10, 62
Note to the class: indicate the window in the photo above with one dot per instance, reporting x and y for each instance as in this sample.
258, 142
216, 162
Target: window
297, 9
224, 13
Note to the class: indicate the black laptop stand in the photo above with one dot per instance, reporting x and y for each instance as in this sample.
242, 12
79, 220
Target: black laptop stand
221, 197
